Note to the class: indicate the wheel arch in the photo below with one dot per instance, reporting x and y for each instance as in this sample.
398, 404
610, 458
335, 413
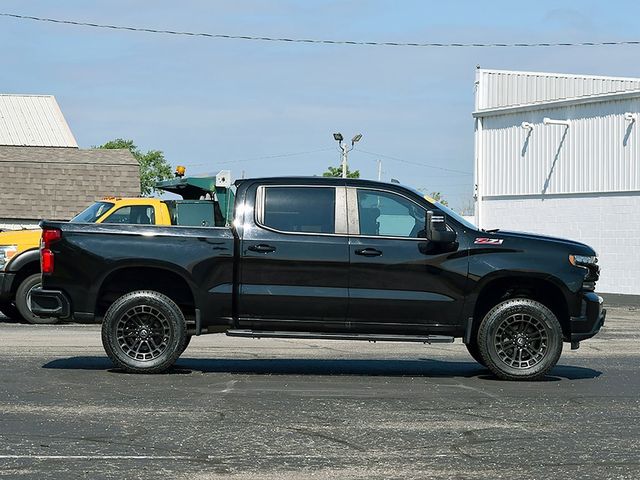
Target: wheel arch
542, 288
24, 265
128, 279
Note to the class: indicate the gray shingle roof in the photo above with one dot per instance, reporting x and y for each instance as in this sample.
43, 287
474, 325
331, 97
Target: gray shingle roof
57, 183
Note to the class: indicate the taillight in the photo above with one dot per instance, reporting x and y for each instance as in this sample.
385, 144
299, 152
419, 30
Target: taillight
49, 236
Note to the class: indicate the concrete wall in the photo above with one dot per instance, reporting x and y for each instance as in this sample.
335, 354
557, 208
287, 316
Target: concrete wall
610, 223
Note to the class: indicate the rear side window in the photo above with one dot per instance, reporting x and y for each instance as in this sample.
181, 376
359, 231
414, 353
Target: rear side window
300, 209
135, 214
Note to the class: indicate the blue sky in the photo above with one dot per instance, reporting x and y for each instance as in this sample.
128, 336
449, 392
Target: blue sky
212, 104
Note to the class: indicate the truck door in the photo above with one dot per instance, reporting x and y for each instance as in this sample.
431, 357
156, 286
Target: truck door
294, 258
399, 281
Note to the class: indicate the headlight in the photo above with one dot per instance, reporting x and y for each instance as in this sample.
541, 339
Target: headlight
583, 260
7, 252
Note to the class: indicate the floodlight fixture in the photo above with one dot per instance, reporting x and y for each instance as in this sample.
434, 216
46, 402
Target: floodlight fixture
356, 139
631, 117
338, 137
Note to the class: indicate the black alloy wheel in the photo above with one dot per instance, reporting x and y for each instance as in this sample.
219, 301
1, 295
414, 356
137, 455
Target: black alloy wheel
144, 332
520, 339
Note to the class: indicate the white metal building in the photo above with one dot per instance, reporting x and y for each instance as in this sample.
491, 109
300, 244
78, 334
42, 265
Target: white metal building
560, 155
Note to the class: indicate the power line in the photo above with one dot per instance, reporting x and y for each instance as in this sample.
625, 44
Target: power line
426, 165
319, 41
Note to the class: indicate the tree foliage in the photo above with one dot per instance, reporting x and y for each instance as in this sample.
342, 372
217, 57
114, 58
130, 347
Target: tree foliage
437, 196
153, 166
337, 172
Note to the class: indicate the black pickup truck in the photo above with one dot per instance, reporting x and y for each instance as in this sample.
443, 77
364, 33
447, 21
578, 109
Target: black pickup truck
324, 259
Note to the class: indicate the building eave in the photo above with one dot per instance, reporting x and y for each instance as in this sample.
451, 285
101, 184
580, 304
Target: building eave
491, 112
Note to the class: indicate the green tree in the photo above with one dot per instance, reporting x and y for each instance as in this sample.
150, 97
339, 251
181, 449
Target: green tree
437, 196
337, 172
153, 166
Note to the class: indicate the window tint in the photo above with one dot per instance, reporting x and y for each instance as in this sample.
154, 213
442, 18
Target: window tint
300, 209
135, 214
389, 215
92, 213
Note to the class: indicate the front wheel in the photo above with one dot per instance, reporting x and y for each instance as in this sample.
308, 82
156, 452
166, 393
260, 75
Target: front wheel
144, 332
520, 339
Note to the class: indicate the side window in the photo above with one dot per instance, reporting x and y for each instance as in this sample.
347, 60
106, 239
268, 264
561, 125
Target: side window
300, 209
389, 215
135, 214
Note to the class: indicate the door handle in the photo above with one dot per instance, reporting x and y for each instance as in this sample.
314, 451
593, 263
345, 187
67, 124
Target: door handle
262, 248
369, 252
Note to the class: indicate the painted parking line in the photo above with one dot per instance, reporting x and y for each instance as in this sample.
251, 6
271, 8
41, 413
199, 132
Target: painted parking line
96, 457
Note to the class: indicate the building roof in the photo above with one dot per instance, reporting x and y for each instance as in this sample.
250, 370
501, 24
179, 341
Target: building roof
33, 121
497, 89
58, 183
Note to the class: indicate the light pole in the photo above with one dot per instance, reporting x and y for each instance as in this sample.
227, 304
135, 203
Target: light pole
345, 149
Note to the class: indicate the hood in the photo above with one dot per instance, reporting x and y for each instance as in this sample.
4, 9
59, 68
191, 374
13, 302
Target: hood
577, 248
24, 239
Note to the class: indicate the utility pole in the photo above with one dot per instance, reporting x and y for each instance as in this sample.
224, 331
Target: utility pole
379, 170
345, 150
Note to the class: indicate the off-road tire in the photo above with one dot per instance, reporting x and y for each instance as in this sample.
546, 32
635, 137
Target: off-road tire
187, 342
513, 351
139, 317
23, 294
474, 351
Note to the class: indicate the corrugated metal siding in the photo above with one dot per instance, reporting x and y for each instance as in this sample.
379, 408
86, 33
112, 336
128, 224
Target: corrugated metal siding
599, 152
34, 121
498, 88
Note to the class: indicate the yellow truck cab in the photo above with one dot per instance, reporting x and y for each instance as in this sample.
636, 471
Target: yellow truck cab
19, 249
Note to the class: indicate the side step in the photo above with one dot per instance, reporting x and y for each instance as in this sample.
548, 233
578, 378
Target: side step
371, 337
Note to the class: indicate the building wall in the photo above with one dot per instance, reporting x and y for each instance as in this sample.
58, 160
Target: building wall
580, 182
598, 152
610, 223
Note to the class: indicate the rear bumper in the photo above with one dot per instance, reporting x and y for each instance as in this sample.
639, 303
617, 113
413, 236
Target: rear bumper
6, 282
591, 318
50, 303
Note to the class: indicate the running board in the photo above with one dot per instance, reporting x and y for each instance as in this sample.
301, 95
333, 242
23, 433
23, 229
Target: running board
371, 337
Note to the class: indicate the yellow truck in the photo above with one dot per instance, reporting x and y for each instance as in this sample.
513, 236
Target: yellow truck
19, 249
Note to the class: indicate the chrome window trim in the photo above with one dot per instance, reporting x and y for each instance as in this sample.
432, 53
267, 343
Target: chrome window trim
339, 211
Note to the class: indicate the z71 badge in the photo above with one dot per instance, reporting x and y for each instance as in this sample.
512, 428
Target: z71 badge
488, 241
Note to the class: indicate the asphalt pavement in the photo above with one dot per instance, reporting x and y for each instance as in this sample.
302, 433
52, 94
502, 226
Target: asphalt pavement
284, 409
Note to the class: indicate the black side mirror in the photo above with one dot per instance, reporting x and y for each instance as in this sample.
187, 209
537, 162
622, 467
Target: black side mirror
436, 228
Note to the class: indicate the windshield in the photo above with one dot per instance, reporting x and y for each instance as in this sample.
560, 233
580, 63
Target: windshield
92, 213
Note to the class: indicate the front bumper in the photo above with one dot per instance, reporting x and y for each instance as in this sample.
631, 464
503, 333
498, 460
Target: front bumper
590, 320
6, 282
50, 303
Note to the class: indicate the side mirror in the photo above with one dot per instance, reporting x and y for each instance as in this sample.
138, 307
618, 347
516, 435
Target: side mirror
436, 228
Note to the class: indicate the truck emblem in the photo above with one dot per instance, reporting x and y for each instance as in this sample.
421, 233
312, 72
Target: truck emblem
488, 241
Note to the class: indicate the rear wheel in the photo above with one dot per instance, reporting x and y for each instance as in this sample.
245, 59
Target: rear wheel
520, 339
144, 332
23, 300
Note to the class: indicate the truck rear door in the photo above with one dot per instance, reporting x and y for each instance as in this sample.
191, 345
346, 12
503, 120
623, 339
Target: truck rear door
294, 258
